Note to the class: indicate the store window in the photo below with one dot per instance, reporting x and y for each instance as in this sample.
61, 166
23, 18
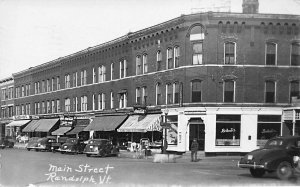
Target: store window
229, 90
295, 54
228, 130
271, 53
196, 91
268, 126
172, 131
294, 89
230, 52
270, 91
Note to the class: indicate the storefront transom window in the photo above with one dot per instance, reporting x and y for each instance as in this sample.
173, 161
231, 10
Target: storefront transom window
228, 130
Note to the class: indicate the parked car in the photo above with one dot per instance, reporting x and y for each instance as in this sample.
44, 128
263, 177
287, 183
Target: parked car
32, 143
100, 147
42, 144
55, 146
276, 156
72, 145
7, 142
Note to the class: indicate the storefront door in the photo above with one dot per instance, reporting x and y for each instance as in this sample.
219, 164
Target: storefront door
197, 130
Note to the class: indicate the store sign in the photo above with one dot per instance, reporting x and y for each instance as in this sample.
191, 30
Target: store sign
20, 117
195, 112
228, 130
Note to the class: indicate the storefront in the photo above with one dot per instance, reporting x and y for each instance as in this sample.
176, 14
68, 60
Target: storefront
78, 127
16, 126
223, 130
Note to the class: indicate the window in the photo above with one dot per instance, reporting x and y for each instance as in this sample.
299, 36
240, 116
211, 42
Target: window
43, 107
112, 71
228, 87
27, 112
10, 92
48, 107
122, 100
294, 89
138, 93
101, 101
52, 84
158, 94
141, 95
75, 104
268, 126
83, 77
176, 92
270, 88
57, 105
22, 91
57, 83
48, 85
158, 60
10, 111
67, 105
271, 54
145, 95
83, 103
196, 91
176, 56
145, 63
228, 130
197, 33
67, 81
295, 54
169, 58
123, 67
3, 94
111, 100
139, 67
75, 79
22, 110
36, 88
53, 106
197, 53
36, 108
230, 53
172, 133
43, 86
169, 90
94, 75
102, 73
94, 101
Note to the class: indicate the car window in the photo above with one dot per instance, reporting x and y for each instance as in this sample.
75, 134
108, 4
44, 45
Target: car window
274, 143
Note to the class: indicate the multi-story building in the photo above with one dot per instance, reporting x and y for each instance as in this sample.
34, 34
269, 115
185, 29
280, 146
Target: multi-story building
223, 78
7, 105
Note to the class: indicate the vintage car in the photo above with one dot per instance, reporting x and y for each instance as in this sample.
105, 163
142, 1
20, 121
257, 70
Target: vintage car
7, 142
55, 146
100, 147
278, 155
72, 145
41, 144
32, 143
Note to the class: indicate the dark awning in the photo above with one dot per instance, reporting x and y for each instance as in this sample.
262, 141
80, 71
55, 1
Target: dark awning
80, 125
61, 131
76, 130
106, 123
18, 123
45, 125
31, 126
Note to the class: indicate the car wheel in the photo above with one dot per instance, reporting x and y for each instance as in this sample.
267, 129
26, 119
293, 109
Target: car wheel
88, 155
257, 173
28, 149
284, 170
36, 150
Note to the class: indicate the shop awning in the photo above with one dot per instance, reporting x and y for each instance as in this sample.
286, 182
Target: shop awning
61, 131
45, 125
76, 130
105, 123
18, 123
31, 126
138, 123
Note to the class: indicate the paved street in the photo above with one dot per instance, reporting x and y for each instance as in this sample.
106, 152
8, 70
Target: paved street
22, 168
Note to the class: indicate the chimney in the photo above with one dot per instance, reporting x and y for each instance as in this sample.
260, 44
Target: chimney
250, 6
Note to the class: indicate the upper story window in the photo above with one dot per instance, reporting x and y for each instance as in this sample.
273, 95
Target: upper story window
170, 58
11, 92
94, 75
158, 60
197, 53
3, 94
57, 83
271, 53
75, 79
138, 94
83, 103
197, 33
294, 89
53, 110
57, 105
176, 92
196, 90
48, 107
112, 100
101, 101
43, 86
295, 54
139, 66
158, 94
145, 95
229, 91
52, 84
22, 91
230, 52
176, 56
36, 88
270, 91
169, 95
112, 67
122, 100
145, 63
83, 77
43, 107
48, 85
197, 37
67, 81
102, 73
67, 105
123, 68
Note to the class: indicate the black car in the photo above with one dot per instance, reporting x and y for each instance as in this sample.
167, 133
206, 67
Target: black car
100, 147
57, 144
276, 156
7, 142
72, 145
41, 144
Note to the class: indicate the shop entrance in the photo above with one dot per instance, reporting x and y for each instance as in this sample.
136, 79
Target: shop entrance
197, 130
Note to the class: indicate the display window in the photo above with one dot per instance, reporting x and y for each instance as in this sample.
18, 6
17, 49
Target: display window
268, 126
228, 130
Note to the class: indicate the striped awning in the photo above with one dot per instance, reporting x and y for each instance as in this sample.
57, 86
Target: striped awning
31, 126
18, 123
137, 123
106, 123
61, 131
45, 125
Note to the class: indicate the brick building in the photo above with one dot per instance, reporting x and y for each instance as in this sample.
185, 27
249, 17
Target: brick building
223, 78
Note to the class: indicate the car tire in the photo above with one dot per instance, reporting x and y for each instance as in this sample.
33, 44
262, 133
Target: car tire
257, 173
28, 149
88, 155
284, 170
37, 150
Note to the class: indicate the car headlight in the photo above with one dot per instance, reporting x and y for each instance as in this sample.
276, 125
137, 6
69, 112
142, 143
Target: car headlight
249, 157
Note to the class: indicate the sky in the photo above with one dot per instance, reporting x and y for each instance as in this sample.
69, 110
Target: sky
33, 32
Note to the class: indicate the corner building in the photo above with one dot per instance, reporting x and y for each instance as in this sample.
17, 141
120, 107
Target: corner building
223, 78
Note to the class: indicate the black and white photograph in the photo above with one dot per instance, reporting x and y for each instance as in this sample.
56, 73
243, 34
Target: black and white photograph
140, 93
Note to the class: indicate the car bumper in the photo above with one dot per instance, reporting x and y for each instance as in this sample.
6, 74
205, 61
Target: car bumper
92, 153
253, 165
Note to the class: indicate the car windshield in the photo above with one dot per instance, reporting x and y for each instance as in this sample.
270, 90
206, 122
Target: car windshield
274, 143
71, 140
96, 142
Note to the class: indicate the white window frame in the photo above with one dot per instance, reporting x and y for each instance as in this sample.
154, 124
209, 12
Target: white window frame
225, 52
234, 90
276, 53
